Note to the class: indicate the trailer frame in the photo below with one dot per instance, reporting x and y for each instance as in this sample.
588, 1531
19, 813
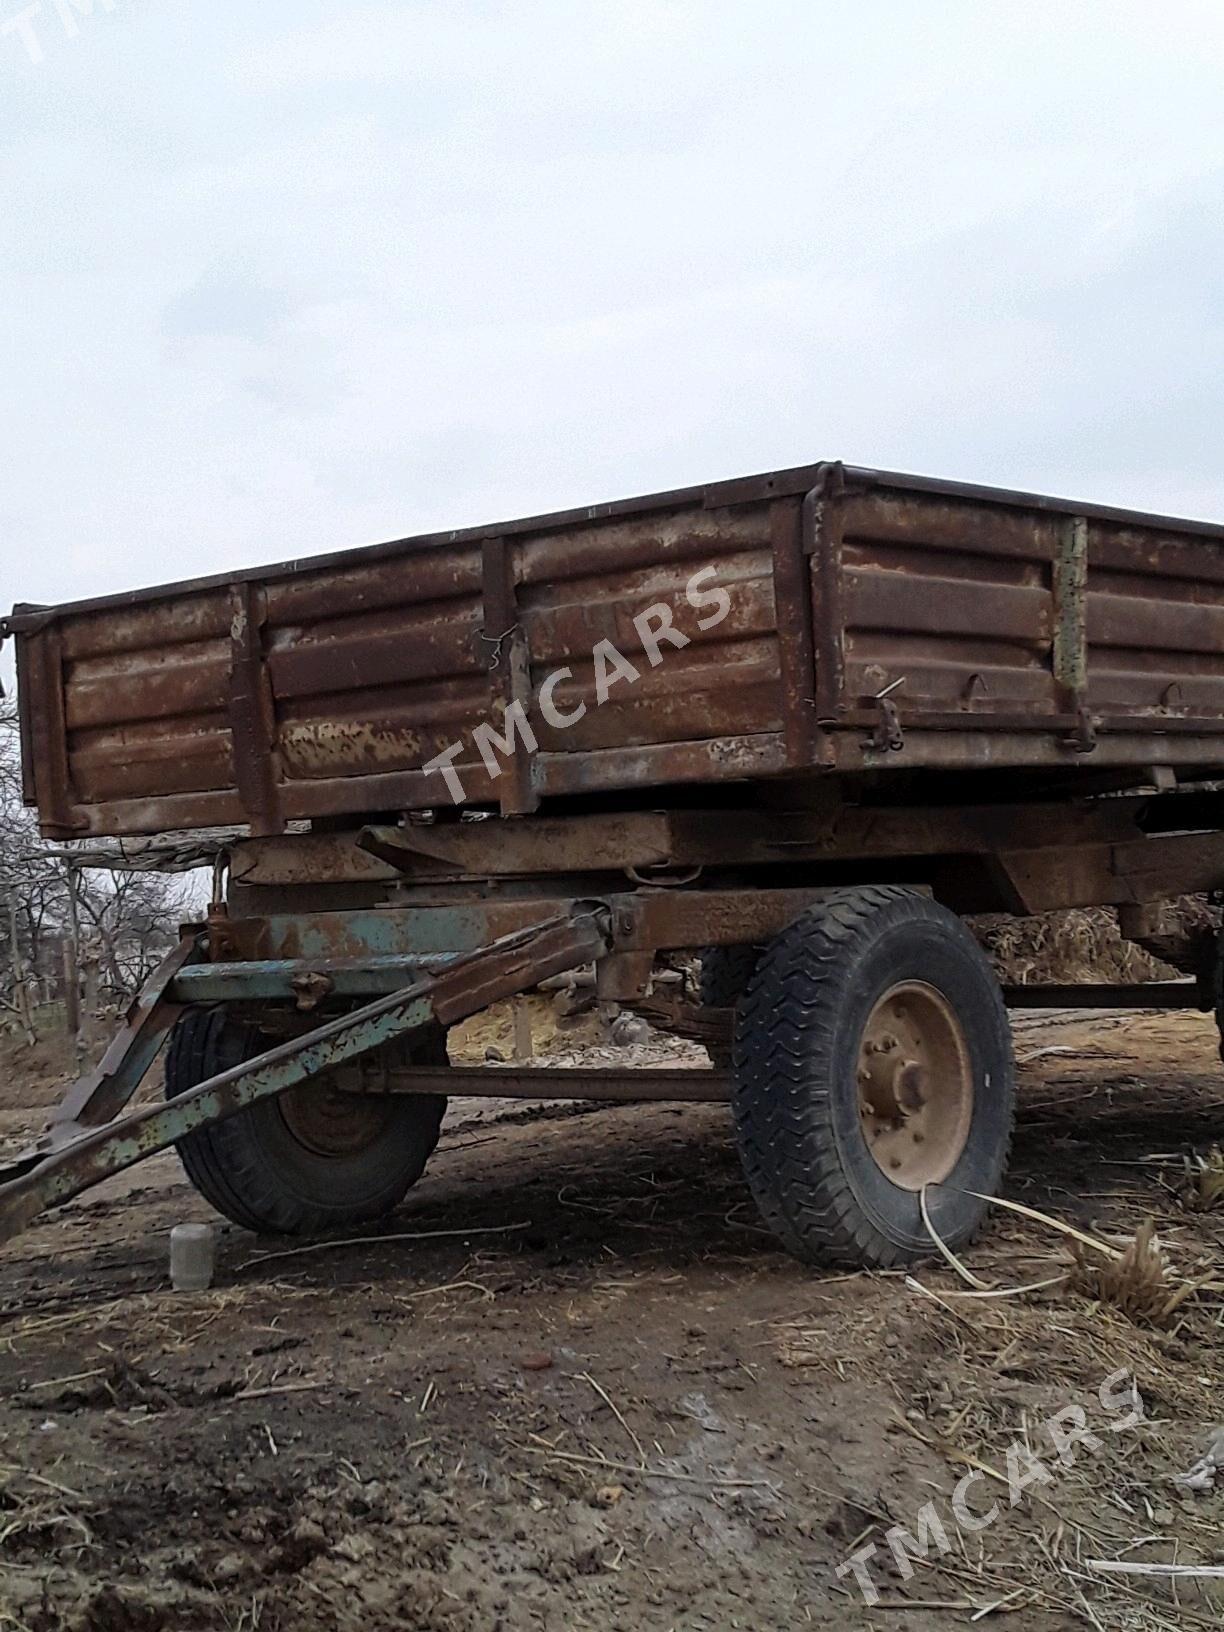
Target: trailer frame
920, 700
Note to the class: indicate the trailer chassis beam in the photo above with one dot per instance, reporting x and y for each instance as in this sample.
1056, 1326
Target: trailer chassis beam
669, 1084
1156, 994
95, 1099
469, 983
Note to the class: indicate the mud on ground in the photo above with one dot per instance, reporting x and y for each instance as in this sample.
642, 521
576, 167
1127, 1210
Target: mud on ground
575, 1386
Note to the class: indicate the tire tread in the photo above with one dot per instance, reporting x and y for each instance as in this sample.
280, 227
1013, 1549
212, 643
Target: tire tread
223, 1161
784, 1060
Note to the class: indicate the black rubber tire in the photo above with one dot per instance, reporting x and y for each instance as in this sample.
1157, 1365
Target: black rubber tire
723, 979
255, 1171
796, 1096
725, 973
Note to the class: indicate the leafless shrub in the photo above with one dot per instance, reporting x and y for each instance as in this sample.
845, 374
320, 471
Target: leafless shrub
1204, 1187
126, 920
1137, 1282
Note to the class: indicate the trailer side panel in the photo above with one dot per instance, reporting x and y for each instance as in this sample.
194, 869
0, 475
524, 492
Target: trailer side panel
869, 621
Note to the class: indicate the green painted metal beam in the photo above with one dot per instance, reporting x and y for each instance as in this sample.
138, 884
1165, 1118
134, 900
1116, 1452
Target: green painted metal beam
512, 964
286, 979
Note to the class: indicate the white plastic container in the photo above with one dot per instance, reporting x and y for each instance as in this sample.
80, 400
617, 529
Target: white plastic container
193, 1257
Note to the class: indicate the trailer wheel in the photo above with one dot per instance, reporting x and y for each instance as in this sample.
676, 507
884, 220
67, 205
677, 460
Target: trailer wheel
873, 1059
312, 1158
724, 976
725, 973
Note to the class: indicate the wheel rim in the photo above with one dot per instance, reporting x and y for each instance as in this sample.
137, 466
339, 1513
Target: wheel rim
915, 1085
330, 1123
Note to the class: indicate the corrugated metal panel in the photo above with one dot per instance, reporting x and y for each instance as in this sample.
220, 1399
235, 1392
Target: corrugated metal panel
954, 610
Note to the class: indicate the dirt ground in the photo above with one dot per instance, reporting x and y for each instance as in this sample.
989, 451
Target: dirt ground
575, 1386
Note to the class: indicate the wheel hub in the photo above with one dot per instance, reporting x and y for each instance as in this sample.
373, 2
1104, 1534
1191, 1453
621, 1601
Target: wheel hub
915, 1085
332, 1123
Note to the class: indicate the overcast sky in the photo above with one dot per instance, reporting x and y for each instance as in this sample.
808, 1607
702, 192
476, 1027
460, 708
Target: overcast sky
288, 276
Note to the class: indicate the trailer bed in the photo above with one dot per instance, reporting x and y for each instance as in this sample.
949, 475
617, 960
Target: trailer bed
873, 621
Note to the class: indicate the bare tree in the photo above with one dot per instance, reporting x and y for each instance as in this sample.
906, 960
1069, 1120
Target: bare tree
32, 887
135, 918
131, 918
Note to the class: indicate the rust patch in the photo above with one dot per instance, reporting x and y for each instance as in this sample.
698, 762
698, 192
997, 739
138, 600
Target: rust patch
331, 747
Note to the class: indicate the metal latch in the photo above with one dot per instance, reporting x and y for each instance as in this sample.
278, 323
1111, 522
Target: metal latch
888, 737
1084, 737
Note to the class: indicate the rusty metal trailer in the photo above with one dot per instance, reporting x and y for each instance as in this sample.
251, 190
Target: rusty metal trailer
803, 721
